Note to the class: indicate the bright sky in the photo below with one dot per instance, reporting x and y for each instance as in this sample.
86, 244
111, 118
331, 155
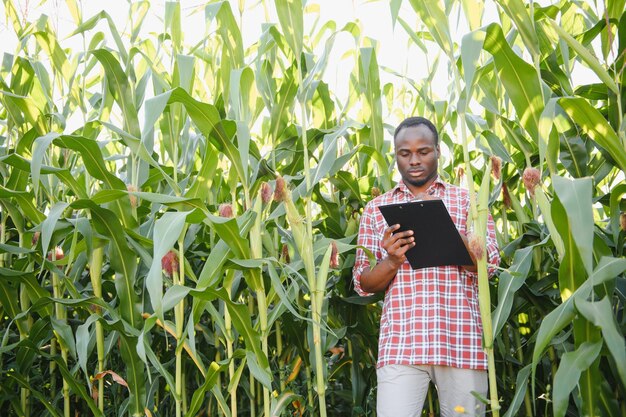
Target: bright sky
374, 16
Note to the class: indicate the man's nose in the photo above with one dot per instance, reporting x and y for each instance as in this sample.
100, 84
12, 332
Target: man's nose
415, 159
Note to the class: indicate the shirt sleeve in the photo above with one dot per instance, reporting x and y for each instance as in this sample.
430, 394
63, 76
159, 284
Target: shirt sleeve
367, 238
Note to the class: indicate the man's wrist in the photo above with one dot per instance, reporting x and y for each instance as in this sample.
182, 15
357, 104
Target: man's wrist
392, 264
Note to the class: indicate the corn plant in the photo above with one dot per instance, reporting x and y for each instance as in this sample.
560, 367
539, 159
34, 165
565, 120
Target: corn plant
178, 219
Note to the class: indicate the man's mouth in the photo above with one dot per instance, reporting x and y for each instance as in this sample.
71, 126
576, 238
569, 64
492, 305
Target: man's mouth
416, 171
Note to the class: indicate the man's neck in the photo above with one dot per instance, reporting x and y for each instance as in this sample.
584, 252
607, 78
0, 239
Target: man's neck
418, 191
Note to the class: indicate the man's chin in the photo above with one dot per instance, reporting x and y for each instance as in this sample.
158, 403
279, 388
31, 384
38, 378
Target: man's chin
416, 183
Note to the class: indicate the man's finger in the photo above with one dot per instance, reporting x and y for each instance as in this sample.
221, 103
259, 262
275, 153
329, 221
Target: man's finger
389, 231
401, 243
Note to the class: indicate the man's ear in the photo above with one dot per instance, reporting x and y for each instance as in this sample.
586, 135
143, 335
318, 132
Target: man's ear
438, 150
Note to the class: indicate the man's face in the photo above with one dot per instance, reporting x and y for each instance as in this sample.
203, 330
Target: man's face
416, 155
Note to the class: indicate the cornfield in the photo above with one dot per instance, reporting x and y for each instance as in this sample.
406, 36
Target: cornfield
178, 221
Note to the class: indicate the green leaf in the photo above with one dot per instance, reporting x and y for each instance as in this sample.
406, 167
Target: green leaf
243, 140
92, 158
607, 269
199, 394
414, 35
284, 296
33, 288
17, 106
436, 21
64, 175
83, 341
519, 79
473, 10
395, 11
49, 44
591, 121
516, 10
173, 296
25, 202
208, 120
147, 355
574, 155
118, 83
330, 162
17, 250
600, 313
290, 17
135, 372
616, 197
64, 334
261, 374
576, 198
376, 155
241, 320
172, 23
48, 225
228, 230
471, 47
496, 146
43, 399
203, 181
369, 85
569, 371
167, 229
138, 147
9, 300
520, 391
123, 260
229, 31
40, 149
220, 253
509, 282
242, 96
93, 21
584, 54
547, 136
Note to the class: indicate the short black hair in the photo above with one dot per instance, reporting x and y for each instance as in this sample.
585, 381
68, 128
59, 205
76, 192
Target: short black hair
416, 121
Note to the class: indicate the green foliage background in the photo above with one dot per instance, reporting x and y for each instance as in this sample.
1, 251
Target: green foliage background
257, 318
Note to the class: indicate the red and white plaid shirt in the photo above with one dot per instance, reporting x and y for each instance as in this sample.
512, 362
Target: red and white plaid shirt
430, 316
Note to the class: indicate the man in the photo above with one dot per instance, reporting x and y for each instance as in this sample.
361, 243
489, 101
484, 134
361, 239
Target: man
430, 328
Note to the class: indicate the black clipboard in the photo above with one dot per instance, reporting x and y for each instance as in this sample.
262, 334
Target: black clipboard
437, 240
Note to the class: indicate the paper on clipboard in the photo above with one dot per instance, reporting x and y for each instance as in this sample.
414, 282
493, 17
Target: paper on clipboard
437, 240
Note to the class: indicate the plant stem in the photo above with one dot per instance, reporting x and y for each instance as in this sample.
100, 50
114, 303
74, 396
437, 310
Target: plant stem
96, 282
218, 358
479, 221
3, 236
310, 271
485, 313
256, 252
431, 405
309, 387
179, 317
252, 380
60, 314
229, 345
279, 353
262, 301
28, 322
520, 356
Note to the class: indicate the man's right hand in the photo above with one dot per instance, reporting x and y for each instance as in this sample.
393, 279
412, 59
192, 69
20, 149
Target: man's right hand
396, 244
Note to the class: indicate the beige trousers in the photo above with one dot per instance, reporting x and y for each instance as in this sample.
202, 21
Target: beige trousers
402, 390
